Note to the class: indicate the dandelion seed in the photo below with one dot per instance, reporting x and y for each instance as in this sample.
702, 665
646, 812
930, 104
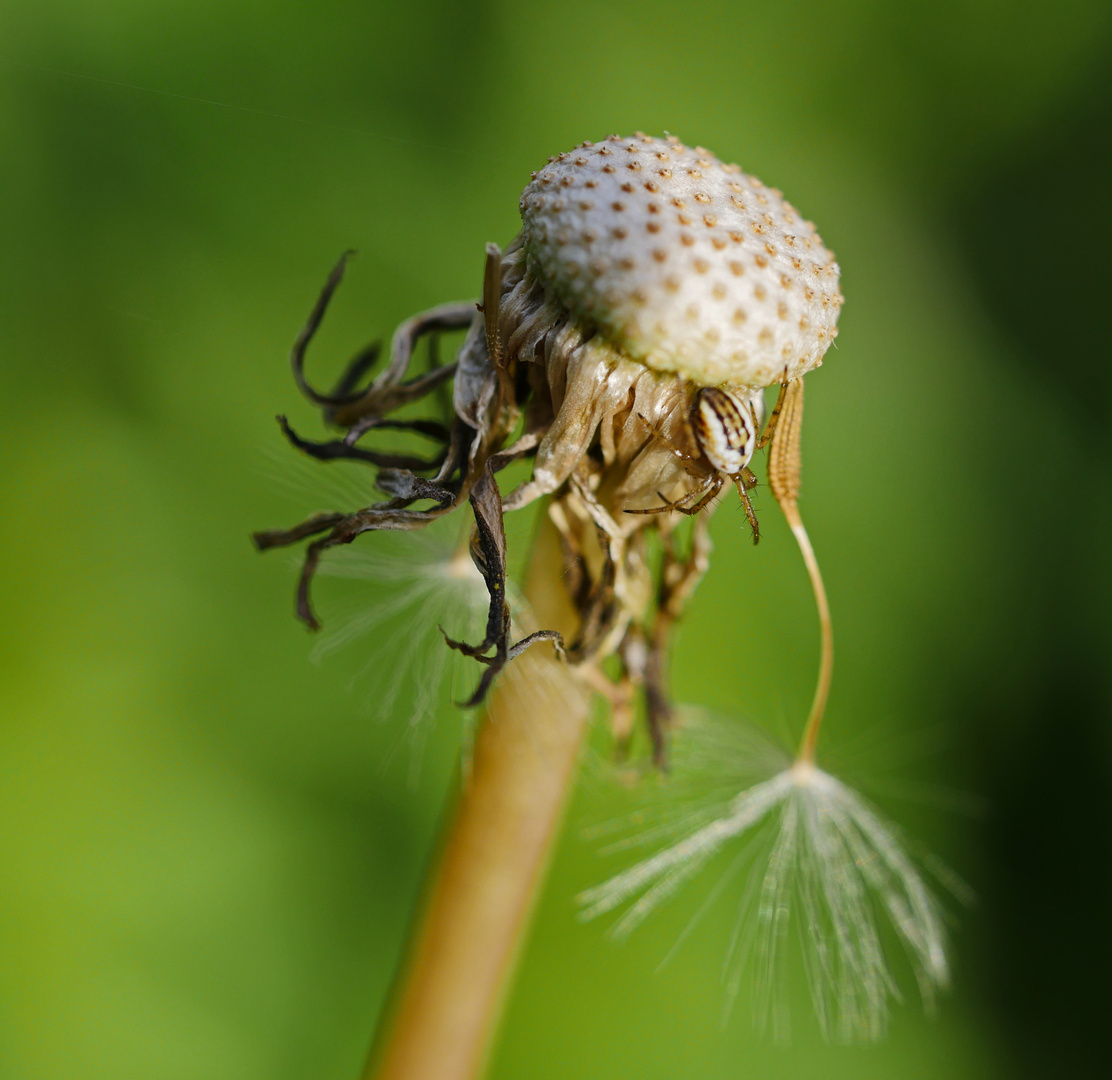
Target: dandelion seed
831, 866
303, 482
397, 596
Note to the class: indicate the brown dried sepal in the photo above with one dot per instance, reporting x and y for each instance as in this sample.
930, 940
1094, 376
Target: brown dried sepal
785, 426
488, 553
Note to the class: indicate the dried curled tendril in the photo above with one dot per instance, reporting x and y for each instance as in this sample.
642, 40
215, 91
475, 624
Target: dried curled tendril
606, 436
456, 474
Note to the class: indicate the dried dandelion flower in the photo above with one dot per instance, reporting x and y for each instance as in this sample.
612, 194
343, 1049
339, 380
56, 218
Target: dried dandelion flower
622, 343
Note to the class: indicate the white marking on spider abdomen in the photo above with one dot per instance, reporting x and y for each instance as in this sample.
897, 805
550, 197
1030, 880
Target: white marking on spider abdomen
724, 429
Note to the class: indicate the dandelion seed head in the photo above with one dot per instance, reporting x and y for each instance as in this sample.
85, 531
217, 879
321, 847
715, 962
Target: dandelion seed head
656, 244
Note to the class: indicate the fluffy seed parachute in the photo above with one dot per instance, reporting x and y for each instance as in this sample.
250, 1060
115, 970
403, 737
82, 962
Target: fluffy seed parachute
821, 862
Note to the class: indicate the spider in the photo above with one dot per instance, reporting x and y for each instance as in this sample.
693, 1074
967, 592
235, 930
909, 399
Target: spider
723, 427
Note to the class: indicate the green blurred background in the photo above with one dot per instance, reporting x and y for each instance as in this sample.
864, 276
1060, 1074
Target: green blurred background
210, 846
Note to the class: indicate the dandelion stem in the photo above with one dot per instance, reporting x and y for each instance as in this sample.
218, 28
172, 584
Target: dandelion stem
495, 849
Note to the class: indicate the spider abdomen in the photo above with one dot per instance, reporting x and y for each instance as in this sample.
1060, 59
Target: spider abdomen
724, 429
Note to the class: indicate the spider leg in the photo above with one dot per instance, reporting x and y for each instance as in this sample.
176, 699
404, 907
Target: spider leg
774, 416
714, 486
743, 490
668, 505
704, 495
683, 455
653, 509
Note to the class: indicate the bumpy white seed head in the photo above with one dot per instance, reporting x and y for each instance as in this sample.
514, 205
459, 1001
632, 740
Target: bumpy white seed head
682, 262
